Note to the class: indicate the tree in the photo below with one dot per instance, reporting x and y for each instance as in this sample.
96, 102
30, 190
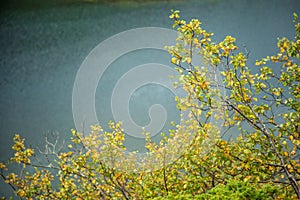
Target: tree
261, 162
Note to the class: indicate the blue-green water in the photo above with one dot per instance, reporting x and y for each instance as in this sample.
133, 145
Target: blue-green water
42, 47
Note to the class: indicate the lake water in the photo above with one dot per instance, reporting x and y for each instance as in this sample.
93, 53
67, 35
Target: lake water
43, 46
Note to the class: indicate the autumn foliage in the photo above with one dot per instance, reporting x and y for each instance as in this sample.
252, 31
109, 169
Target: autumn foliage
240, 141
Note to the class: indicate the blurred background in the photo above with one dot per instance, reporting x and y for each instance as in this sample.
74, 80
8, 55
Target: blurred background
43, 43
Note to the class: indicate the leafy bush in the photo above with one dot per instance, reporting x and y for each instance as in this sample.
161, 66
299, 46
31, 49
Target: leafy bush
261, 162
238, 190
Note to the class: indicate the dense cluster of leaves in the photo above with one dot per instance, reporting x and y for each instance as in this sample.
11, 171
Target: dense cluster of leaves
261, 162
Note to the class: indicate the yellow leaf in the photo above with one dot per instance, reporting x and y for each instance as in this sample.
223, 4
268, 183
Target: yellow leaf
188, 60
174, 60
247, 178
